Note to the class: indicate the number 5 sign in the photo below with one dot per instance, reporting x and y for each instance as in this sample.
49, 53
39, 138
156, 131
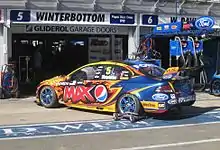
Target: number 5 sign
20, 15
149, 20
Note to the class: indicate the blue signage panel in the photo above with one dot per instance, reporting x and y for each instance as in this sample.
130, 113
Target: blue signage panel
168, 28
116, 18
20, 15
149, 19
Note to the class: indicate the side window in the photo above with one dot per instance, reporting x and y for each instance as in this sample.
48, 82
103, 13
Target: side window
87, 73
113, 72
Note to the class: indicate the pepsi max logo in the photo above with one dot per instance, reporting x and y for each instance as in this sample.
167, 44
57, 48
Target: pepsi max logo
160, 97
204, 22
100, 93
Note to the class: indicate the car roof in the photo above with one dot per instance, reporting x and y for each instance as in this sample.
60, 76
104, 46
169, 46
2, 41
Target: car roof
128, 62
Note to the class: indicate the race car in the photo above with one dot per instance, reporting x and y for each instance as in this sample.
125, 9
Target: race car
128, 86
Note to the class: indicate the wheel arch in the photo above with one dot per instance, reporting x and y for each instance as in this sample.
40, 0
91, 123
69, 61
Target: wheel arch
141, 106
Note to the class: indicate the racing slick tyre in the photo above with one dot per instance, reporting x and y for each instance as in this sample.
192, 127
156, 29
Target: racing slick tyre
128, 103
215, 87
48, 97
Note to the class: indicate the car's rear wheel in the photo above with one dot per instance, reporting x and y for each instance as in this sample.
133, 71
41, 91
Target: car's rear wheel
128, 103
48, 97
216, 87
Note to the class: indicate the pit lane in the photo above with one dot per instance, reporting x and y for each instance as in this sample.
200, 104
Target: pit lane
199, 124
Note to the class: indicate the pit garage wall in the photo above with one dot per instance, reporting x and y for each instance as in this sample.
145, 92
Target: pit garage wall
76, 29
3, 39
28, 21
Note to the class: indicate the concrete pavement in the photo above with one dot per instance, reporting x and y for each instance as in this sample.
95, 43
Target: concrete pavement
202, 137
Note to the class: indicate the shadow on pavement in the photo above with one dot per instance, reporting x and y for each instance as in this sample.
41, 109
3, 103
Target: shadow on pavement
91, 111
187, 112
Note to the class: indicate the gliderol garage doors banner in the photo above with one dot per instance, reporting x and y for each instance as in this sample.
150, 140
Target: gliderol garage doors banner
61, 17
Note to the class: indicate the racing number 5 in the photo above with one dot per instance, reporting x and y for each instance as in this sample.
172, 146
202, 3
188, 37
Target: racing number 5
108, 70
20, 16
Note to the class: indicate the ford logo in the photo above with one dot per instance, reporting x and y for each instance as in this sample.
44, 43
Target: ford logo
204, 22
160, 97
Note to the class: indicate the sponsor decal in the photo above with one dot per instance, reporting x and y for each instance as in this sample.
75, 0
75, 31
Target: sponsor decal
161, 105
172, 96
143, 65
172, 70
66, 83
71, 29
166, 27
182, 19
159, 28
101, 93
172, 101
116, 18
167, 76
204, 22
150, 105
109, 77
173, 26
186, 99
160, 97
85, 94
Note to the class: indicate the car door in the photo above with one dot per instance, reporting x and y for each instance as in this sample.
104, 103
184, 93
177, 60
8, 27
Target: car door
115, 73
80, 88
109, 83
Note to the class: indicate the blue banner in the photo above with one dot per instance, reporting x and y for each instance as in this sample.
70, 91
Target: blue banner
149, 20
116, 18
168, 28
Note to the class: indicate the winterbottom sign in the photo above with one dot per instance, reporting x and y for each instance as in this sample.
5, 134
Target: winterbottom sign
64, 17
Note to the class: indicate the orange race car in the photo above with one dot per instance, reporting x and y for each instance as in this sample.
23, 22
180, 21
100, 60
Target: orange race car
128, 86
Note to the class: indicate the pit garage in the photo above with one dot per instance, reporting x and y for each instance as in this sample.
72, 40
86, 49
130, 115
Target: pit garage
46, 44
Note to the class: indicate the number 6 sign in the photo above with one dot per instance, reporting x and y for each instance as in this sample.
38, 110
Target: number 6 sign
20, 15
151, 20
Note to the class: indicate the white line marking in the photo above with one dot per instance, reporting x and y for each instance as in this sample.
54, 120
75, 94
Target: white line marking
170, 145
82, 121
110, 131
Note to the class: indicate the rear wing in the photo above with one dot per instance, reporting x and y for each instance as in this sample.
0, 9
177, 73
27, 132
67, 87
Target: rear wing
172, 70
188, 71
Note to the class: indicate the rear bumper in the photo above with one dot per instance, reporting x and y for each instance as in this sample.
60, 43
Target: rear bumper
162, 107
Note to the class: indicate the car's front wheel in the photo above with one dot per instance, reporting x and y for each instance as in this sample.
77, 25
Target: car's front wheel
128, 103
215, 87
48, 97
